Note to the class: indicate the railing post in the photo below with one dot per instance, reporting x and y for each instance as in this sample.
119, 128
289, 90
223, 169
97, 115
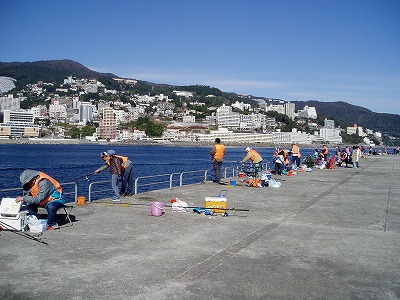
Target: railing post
170, 180
76, 192
90, 192
136, 185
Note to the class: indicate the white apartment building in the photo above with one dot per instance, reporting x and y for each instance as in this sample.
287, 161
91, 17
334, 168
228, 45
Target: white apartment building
280, 108
39, 111
86, 110
330, 135
252, 121
19, 124
225, 117
279, 138
241, 105
355, 130
58, 111
290, 109
228, 136
329, 124
308, 112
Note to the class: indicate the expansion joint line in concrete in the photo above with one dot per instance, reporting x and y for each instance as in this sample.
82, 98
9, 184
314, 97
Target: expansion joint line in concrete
213, 262
385, 225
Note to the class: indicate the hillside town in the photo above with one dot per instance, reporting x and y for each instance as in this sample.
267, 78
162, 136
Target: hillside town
240, 122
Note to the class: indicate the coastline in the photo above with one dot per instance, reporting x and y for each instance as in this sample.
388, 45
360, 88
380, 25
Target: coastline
152, 143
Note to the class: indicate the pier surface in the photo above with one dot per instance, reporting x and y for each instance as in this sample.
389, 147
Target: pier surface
326, 234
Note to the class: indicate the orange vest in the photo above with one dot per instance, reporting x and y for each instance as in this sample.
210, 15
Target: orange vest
254, 155
35, 188
220, 152
124, 161
326, 150
296, 150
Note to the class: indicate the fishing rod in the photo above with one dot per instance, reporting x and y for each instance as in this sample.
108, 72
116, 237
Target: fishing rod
178, 206
24, 234
85, 177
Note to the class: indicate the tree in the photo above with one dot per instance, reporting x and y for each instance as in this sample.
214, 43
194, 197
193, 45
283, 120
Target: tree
75, 132
87, 131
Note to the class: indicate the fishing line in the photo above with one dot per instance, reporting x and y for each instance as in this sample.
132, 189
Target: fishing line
24, 234
149, 205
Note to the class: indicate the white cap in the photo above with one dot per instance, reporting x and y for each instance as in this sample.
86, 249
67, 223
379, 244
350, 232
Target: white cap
248, 149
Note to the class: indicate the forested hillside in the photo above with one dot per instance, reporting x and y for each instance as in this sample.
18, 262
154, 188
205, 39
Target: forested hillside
343, 113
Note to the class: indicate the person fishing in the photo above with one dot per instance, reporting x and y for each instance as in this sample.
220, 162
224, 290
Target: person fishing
256, 160
127, 178
113, 162
217, 155
42, 191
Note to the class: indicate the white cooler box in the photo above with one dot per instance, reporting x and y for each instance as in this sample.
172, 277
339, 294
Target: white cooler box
10, 215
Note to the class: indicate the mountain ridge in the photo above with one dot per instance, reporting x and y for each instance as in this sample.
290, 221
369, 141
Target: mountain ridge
58, 70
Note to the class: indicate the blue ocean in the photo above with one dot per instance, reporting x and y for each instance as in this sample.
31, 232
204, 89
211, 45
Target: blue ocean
68, 163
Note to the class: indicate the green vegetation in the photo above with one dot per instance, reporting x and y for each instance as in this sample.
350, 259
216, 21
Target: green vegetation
351, 138
77, 133
55, 71
151, 128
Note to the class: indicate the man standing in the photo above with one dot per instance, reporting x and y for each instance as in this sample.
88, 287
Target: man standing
217, 155
296, 155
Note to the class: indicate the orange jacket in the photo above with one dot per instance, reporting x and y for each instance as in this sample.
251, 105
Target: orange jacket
219, 152
36, 189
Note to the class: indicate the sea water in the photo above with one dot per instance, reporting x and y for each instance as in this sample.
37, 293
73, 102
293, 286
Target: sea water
67, 163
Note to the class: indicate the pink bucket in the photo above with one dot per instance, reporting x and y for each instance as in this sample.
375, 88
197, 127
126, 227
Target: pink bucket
157, 209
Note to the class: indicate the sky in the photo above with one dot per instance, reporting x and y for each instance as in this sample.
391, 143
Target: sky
342, 50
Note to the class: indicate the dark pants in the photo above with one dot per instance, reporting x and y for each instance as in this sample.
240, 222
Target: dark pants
278, 169
217, 168
296, 160
51, 208
127, 181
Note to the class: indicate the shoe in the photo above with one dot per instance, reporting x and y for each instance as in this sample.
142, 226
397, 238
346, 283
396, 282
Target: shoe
115, 199
128, 195
53, 227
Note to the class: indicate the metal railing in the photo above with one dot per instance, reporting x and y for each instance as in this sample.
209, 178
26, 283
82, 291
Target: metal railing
66, 191
160, 181
145, 183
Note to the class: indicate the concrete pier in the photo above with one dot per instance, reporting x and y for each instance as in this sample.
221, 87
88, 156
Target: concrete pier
326, 234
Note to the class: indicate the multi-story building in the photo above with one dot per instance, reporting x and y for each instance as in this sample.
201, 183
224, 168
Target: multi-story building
19, 124
289, 110
329, 124
225, 117
330, 135
308, 112
252, 121
108, 125
40, 111
57, 111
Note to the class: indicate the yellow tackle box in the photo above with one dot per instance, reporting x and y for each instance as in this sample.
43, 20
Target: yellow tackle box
217, 202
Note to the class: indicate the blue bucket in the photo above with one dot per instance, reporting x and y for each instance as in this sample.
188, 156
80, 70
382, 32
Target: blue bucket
233, 182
